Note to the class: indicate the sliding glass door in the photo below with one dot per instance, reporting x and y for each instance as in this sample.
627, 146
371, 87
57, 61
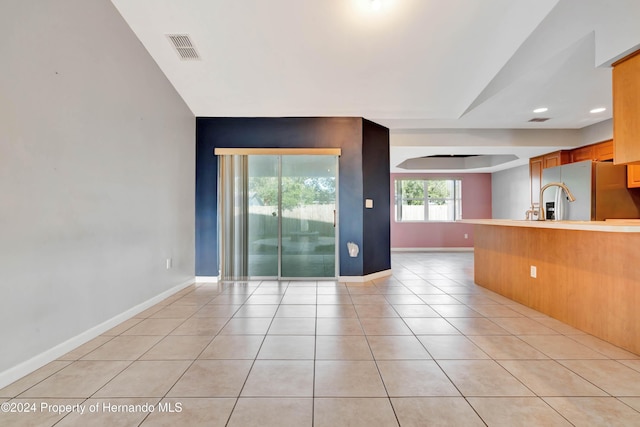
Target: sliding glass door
264, 225
279, 217
308, 216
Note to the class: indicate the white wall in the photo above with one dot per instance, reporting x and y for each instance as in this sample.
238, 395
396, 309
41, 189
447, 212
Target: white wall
596, 133
96, 176
617, 32
510, 193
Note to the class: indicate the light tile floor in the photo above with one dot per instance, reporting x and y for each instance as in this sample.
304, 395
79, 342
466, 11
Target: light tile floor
423, 347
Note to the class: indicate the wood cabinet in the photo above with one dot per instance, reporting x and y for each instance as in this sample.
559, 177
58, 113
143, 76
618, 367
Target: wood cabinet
633, 176
626, 109
603, 151
593, 288
556, 158
599, 152
537, 164
582, 153
535, 178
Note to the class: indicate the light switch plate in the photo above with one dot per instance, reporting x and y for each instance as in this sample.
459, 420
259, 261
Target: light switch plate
368, 203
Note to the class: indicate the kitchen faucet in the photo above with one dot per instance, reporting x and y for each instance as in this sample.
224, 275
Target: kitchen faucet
534, 211
541, 215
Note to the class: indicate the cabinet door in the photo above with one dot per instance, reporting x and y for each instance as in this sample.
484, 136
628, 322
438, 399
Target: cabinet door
633, 176
556, 158
535, 176
582, 153
603, 151
551, 161
626, 108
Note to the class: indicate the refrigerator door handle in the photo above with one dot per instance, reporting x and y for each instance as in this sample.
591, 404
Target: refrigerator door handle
559, 205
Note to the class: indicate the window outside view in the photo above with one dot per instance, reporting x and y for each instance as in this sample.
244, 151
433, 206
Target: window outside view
428, 200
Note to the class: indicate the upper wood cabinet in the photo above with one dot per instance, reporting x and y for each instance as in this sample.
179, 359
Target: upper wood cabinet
535, 178
633, 176
582, 153
537, 164
626, 109
556, 158
603, 151
600, 152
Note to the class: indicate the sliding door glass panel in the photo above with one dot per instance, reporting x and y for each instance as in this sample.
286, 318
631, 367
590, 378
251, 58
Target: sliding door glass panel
263, 225
308, 206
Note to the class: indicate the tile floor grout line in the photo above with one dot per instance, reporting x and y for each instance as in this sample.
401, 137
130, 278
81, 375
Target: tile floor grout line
473, 408
42, 380
200, 353
244, 383
315, 358
442, 369
626, 404
375, 361
387, 289
138, 359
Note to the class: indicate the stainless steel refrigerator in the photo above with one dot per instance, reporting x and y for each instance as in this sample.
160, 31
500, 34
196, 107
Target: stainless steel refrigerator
600, 189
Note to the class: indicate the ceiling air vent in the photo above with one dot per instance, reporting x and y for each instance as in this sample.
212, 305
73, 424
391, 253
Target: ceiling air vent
539, 119
183, 45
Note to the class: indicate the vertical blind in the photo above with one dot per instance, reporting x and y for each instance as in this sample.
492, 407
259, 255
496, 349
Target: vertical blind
233, 215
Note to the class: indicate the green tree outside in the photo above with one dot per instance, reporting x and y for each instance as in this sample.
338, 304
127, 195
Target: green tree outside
412, 191
296, 191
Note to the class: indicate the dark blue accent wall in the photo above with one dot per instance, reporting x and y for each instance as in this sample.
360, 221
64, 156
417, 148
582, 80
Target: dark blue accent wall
376, 178
345, 133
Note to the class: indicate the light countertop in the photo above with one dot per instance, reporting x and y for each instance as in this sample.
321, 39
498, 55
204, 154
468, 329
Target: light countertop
612, 226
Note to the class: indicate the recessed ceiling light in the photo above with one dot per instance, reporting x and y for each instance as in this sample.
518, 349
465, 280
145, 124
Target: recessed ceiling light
540, 110
598, 110
376, 4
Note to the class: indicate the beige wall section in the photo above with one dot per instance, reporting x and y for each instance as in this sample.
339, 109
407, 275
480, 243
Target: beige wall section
599, 132
510, 193
96, 174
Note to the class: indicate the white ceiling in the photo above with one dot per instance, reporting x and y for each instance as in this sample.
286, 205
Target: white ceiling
412, 65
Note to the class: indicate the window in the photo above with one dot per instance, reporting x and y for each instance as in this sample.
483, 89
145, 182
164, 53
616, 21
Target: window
428, 199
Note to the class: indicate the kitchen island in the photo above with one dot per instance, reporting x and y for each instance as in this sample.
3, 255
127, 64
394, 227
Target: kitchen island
587, 273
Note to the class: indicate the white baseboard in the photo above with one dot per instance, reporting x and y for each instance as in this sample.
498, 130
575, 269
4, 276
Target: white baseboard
207, 279
463, 249
15, 373
368, 277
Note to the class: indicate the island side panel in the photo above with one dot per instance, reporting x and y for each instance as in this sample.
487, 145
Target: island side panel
587, 279
501, 261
